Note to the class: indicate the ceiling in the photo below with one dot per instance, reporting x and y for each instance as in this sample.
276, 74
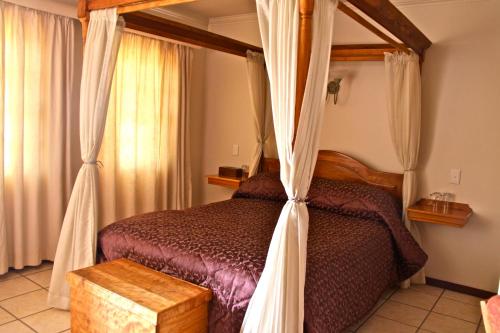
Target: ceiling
214, 8
205, 9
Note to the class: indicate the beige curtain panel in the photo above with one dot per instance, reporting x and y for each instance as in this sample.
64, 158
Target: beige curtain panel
77, 244
260, 97
403, 88
39, 150
145, 151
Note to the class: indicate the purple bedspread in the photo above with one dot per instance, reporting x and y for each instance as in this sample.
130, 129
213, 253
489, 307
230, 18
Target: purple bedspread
357, 247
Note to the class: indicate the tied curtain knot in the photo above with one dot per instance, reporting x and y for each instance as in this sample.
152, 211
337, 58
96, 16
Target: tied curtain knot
409, 170
97, 163
296, 200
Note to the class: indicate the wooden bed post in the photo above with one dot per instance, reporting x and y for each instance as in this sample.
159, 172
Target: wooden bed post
306, 8
84, 17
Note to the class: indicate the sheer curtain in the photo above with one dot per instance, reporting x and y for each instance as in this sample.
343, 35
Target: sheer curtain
403, 87
77, 244
258, 84
40, 61
277, 304
145, 150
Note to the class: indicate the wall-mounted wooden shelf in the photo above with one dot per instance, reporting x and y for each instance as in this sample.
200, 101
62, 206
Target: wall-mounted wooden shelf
432, 211
230, 182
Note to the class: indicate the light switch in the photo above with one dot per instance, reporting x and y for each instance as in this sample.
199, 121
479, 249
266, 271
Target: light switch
236, 150
455, 175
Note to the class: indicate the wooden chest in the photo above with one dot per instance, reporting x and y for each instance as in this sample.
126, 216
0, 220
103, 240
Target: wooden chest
122, 296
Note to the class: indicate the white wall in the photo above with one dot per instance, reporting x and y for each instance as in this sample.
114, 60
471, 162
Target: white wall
461, 115
461, 111
228, 118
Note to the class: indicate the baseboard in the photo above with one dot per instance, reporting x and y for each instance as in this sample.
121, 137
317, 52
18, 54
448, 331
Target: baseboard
483, 294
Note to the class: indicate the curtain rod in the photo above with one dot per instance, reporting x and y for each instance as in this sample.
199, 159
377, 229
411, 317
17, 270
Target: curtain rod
173, 41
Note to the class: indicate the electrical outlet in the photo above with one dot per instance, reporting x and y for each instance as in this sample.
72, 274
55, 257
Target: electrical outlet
455, 175
236, 150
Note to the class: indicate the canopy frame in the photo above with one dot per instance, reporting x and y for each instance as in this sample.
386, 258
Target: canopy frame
382, 12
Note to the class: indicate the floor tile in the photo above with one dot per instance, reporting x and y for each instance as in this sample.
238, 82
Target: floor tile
458, 310
15, 327
46, 265
27, 304
15, 287
415, 298
49, 321
5, 317
378, 324
9, 275
461, 297
41, 278
426, 289
444, 324
402, 313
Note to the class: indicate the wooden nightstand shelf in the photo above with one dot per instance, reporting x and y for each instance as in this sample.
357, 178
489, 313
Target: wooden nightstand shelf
431, 211
230, 182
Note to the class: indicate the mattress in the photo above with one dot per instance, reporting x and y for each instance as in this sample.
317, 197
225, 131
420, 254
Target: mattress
357, 247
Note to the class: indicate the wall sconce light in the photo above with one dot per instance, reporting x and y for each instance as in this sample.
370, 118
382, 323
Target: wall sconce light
333, 88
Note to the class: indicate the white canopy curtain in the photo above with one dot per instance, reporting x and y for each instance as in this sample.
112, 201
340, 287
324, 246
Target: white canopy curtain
277, 304
40, 62
258, 84
145, 150
403, 89
77, 243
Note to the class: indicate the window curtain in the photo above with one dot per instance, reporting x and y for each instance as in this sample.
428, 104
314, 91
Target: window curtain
77, 244
40, 61
277, 304
145, 150
403, 88
258, 84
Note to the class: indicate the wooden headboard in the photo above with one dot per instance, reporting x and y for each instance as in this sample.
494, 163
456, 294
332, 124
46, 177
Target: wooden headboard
338, 166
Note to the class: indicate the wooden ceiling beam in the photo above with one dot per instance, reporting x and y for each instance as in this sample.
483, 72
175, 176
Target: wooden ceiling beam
127, 6
358, 18
381, 11
388, 16
184, 33
361, 52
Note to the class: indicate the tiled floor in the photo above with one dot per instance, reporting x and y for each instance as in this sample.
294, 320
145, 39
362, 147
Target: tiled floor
23, 308
423, 309
23, 303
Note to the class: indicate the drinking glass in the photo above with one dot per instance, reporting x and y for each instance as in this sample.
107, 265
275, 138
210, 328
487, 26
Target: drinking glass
436, 197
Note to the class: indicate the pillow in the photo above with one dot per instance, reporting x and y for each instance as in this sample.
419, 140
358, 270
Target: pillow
356, 199
344, 197
265, 185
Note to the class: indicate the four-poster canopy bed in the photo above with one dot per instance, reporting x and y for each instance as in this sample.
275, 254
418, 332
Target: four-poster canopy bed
350, 191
